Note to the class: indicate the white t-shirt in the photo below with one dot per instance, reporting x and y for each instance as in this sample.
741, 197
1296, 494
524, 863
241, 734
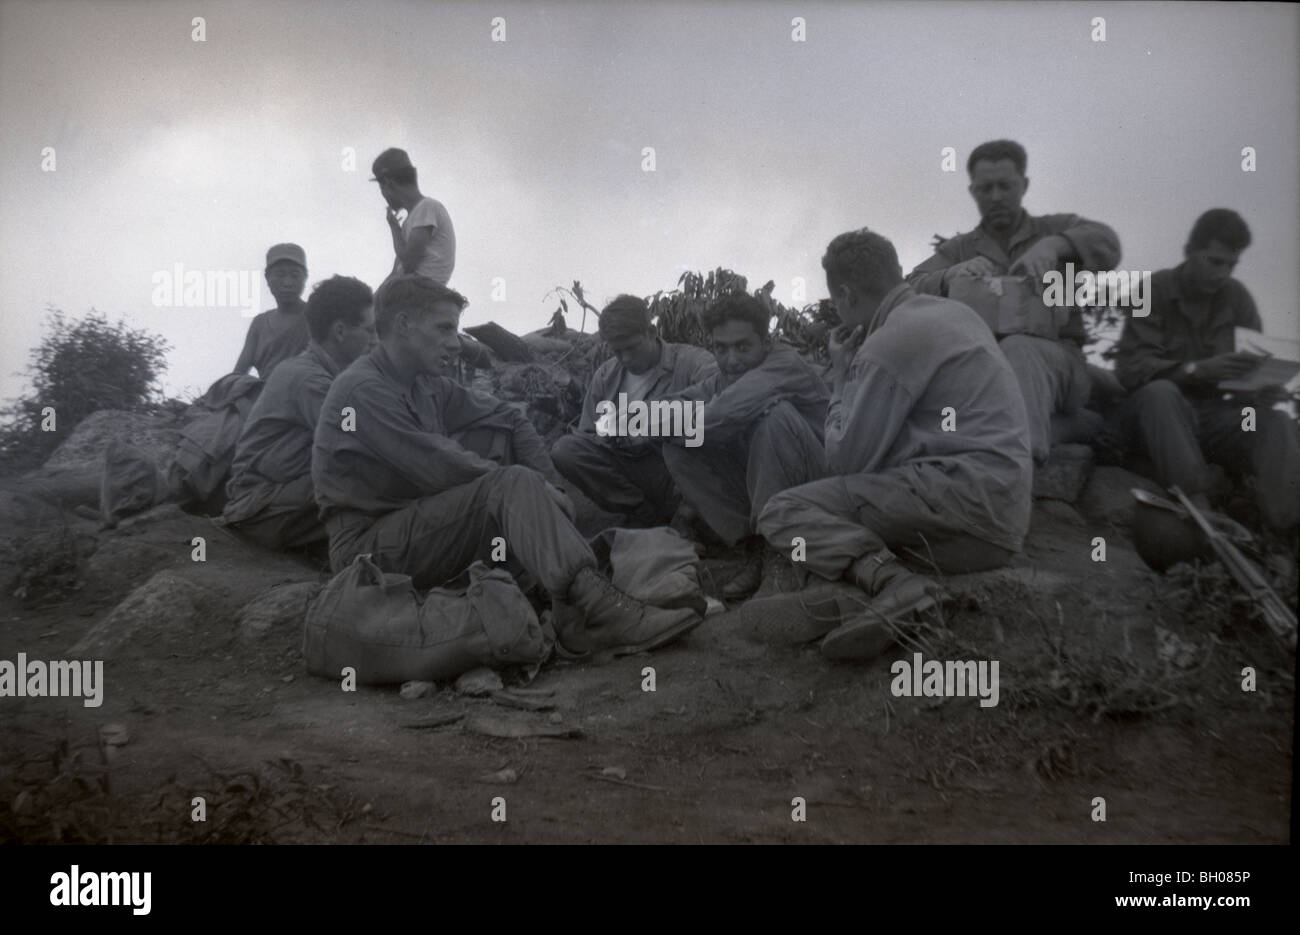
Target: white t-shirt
440, 259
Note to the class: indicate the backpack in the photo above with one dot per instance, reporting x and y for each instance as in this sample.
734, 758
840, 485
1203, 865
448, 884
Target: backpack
197, 473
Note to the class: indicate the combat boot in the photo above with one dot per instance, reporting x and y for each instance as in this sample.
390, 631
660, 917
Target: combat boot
618, 623
898, 597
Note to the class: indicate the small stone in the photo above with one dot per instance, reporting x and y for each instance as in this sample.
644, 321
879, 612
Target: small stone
479, 683
279, 610
502, 777
555, 717
415, 689
614, 772
114, 735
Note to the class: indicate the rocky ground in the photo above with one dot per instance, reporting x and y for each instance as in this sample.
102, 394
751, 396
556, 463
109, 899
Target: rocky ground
1115, 684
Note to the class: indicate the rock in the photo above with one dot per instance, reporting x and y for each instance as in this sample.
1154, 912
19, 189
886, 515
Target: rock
120, 562
479, 683
1059, 509
279, 610
114, 735
1173, 650
1064, 474
155, 433
502, 777
164, 612
1106, 500
70, 486
417, 689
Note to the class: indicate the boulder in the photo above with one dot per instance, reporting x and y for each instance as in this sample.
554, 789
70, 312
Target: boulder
121, 561
1064, 474
155, 433
280, 610
165, 614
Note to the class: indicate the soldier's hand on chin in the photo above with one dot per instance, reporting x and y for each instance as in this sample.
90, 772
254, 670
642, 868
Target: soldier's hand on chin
843, 344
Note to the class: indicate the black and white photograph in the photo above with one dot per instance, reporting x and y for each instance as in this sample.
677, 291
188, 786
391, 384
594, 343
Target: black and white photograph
649, 423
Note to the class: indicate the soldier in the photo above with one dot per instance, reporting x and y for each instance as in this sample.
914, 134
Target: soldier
627, 474
392, 480
282, 332
927, 445
1049, 364
1173, 361
271, 499
764, 413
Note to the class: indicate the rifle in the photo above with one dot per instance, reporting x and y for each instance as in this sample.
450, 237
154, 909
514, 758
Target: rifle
1277, 615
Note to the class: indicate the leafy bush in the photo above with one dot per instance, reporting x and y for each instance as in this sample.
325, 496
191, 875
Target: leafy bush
78, 368
676, 312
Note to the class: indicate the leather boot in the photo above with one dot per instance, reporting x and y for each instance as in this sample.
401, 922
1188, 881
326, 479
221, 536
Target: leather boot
746, 581
897, 597
617, 623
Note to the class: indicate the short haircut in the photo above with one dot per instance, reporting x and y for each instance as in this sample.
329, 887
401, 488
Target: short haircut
415, 295
1221, 224
339, 298
737, 306
996, 151
626, 317
864, 259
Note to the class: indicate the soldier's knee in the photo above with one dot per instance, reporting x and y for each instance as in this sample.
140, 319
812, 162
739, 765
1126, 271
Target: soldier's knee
1158, 395
773, 517
781, 414
566, 452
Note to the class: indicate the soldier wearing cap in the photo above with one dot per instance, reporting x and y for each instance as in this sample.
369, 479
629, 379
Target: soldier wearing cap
280, 333
425, 242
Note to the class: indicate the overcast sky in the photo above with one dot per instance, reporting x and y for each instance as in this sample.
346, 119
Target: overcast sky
205, 153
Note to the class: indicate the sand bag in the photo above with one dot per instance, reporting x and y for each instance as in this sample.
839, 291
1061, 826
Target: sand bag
378, 624
653, 565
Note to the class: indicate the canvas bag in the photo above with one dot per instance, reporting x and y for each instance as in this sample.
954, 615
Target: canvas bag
197, 474
655, 565
1008, 305
377, 623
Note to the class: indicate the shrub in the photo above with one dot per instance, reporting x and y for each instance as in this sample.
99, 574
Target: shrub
78, 368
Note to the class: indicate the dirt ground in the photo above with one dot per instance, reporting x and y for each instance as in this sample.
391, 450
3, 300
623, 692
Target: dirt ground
1097, 700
